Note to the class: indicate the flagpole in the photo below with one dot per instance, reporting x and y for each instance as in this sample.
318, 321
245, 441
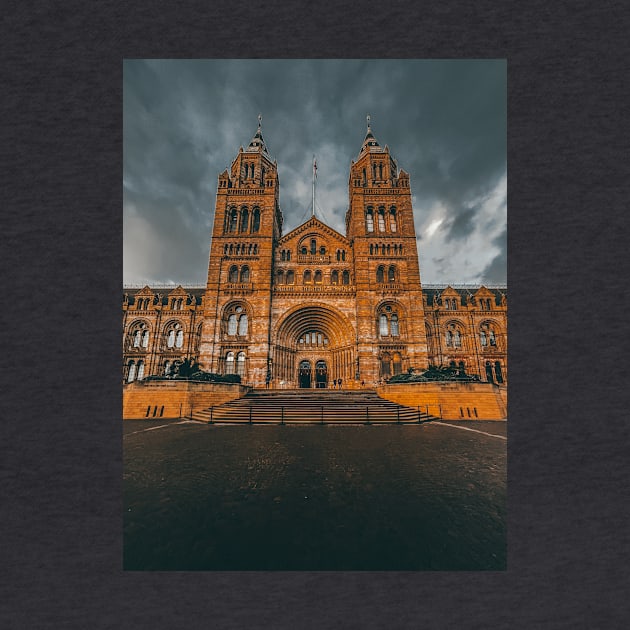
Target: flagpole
314, 176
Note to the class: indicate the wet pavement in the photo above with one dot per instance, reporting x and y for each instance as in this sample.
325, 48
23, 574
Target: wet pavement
410, 497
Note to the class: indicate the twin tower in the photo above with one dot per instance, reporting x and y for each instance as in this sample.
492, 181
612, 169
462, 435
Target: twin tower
312, 306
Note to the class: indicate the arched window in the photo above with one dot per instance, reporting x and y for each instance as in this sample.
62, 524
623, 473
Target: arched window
318, 277
391, 274
244, 220
392, 220
242, 325
233, 277
179, 338
137, 338
313, 246
381, 219
170, 339
493, 341
498, 372
334, 277
290, 276
383, 327
280, 277
140, 375
322, 250
386, 365
457, 339
240, 364
231, 324
397, 363
345, 277
145, 338
484, 339
394, 324
307, 277
369, 220
256, 220
233, 220
371, 249
245, 274
283, 255
343, 254
288, 254
380, 275
131, 375
229, 363
489, 374
449, 339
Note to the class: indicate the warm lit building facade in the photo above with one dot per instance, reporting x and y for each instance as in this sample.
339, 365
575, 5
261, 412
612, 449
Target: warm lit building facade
311, 306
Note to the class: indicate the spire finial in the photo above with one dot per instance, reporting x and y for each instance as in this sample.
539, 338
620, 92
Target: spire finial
259, 120
368, 121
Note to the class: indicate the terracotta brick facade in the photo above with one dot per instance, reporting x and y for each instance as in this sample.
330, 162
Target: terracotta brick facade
313, 305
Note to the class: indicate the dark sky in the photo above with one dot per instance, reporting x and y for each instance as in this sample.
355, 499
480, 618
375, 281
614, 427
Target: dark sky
444, 122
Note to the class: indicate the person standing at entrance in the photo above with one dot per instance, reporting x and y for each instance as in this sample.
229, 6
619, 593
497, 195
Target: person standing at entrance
339, 383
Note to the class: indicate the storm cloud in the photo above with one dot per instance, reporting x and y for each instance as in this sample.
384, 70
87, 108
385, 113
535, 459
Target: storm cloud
444, 121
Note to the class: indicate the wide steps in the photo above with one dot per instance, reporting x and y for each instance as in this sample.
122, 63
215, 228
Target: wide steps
311, 407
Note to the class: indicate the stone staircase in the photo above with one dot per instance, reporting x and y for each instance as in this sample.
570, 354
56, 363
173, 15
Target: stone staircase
311, 406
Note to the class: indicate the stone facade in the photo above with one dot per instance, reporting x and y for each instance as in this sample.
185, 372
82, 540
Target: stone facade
313, 305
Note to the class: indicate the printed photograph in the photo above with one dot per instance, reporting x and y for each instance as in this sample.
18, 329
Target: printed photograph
314, 315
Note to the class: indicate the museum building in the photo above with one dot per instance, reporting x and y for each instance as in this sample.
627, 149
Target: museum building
306, 308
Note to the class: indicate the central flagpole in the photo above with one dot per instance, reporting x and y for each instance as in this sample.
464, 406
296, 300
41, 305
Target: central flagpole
314, 177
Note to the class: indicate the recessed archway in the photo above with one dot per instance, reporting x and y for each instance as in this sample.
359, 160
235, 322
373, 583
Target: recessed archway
313, 344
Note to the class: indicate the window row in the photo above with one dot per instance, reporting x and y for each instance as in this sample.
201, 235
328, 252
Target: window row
454, 336
238, 275
308, 277
242, 221
391, 273
383, 219
240, 249
139, 333
386, 250
313, 339
135, 371
235, 364
391, 364
248, 171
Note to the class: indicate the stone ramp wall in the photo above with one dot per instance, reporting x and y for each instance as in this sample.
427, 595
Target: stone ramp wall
175, 399
453, 401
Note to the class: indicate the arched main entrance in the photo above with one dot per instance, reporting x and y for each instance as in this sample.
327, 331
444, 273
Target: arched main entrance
304, 374
313, 344
321, 375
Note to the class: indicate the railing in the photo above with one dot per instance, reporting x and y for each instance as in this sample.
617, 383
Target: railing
306, 288
314, 258
390, 287
240, 287
245, 191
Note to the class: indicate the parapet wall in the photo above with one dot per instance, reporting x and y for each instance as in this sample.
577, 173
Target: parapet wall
451, 401
175, 399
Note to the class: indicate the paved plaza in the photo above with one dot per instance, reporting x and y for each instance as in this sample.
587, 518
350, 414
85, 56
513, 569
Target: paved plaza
269, 497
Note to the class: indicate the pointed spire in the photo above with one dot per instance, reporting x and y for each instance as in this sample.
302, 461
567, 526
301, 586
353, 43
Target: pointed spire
258, 143
370, 140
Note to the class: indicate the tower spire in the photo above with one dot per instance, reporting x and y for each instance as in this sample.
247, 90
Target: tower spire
314, 178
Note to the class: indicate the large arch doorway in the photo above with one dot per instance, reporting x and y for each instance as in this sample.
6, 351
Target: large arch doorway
304, 374
321, 375
313, 344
